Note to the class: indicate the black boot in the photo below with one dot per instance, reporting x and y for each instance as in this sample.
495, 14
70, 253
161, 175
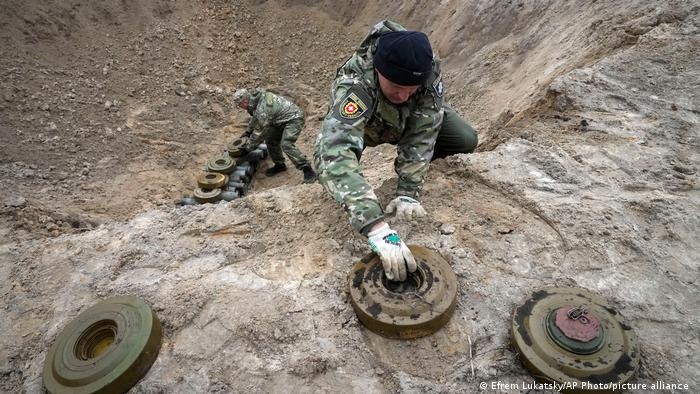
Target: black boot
309, 174
276, 169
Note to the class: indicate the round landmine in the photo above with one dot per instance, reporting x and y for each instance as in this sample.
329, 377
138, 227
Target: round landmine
221, 164
416, 307
106, 349
202, 195
229, 195
211, 180
235, 148
571, 335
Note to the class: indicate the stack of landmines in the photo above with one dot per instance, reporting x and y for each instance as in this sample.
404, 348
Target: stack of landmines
227, 177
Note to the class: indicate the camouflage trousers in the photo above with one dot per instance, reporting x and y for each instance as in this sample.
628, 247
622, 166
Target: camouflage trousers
455, 136
283, 138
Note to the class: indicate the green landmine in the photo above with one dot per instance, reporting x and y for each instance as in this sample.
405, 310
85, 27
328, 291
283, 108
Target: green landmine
211, 180
107, 349
202, 195
235, 148
573, 337
416, 307
221, 164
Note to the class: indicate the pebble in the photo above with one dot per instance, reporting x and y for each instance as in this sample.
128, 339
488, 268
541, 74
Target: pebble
15, 202
181, 90
560, 103
447, 229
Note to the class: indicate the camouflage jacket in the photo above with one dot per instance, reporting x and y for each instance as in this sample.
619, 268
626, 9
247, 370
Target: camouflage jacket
267, 111
360, 116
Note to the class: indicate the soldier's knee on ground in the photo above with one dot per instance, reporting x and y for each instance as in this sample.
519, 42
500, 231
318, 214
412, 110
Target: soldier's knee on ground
471, 140
455, 136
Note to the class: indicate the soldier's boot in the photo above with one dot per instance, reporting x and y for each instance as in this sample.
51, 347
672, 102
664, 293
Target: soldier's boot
276, 169
309, 174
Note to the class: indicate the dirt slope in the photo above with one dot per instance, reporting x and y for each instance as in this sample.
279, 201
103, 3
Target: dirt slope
586, 175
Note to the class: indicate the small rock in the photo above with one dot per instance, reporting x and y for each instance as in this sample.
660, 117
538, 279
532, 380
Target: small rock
15, 202
108, 104
181, 90
26, 173
683, 169
504, 230
560, 103
447, 229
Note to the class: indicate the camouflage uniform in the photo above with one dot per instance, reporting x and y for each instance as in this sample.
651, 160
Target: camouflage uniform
360, 116
278, 122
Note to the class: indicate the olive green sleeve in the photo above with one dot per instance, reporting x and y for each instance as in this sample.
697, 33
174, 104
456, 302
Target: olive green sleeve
258, 125
415, 148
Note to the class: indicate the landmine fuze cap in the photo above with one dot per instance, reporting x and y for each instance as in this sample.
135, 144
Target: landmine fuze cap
404, 57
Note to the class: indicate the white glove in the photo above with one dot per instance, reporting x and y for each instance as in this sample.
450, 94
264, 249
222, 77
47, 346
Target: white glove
406, 208
395, 255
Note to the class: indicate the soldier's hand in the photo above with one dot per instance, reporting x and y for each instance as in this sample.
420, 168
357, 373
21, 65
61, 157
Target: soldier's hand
406, 208
397, 259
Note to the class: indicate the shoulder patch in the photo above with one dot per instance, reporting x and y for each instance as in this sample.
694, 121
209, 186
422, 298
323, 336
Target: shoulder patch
354, 105
269, 98
438, 87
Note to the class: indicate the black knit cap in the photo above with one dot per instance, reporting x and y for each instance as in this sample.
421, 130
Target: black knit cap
404, 57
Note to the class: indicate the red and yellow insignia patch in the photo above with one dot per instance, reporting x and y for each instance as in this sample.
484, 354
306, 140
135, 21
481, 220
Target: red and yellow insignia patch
349, 109
352, 107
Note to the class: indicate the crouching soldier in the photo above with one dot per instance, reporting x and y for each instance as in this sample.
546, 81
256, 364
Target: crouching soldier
278, 122
389, 91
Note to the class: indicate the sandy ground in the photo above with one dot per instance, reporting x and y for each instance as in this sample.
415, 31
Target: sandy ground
586, 175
